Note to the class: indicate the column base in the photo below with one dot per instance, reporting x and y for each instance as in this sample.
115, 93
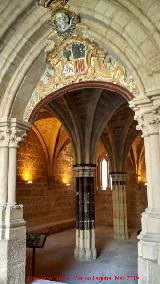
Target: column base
149, 248
120, 235
148, 271
12, 245
82, 254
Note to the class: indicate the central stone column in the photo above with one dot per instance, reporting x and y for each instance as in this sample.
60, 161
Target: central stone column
12, 224
85, 218
118, 186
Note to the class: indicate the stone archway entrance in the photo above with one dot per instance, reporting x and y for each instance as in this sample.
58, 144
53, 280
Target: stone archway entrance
12, 244
84, 108
13, 229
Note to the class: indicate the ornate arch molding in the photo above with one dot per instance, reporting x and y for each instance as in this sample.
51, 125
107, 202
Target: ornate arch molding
74, 87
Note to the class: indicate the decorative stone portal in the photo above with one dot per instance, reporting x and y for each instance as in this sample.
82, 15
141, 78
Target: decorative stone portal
85, 220
118, 184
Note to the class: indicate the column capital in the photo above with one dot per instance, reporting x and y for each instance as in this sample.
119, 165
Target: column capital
148, 123
85, 170
147, 114
118, 178
12, 131
11, 206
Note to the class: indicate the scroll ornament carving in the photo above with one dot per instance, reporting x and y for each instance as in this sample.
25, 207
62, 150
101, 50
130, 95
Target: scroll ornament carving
76, 60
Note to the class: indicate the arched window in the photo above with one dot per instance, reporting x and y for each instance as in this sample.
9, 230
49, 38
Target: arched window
102, 176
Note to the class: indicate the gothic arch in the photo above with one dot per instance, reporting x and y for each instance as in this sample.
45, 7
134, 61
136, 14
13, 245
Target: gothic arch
79, 86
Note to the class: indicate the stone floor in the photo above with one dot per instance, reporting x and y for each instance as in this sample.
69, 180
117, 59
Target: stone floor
115, 259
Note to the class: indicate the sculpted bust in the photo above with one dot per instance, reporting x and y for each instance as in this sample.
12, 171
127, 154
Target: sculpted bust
65, 23
62, 21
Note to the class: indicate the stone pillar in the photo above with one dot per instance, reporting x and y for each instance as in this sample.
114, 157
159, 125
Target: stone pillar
15, 139
12, 225
85, 213
118, 186
148, 118
4, 141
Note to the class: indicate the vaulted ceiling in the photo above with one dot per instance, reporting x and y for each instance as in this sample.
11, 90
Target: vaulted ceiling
89, 115
129, 29
84, 114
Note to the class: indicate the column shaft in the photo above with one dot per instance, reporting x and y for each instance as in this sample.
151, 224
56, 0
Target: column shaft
12, 175
119, 206
148, 171
155, 169
3, 174
85, 223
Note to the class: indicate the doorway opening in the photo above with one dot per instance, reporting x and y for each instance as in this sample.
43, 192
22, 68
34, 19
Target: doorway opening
91, 116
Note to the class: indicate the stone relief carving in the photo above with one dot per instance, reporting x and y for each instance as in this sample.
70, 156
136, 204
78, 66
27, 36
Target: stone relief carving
71, 57
75, 60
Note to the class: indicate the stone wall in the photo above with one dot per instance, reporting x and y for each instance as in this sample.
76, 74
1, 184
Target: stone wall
103, 207
136, 194
48, 206
63, 173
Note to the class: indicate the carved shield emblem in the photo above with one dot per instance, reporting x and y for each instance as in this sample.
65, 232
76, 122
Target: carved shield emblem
75, 59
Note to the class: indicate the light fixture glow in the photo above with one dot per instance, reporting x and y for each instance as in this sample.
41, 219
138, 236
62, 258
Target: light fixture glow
27, 174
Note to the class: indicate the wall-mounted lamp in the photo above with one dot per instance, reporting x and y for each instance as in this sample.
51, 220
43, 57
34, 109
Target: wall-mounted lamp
67, 184
139, 178
146, 184
29, 181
